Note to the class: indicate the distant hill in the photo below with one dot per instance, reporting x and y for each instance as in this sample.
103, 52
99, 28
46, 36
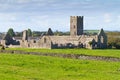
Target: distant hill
91, 32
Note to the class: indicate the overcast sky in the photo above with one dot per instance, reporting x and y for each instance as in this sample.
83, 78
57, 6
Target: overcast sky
39, 15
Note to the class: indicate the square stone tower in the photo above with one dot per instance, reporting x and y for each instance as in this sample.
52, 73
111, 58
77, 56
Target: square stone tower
76, 25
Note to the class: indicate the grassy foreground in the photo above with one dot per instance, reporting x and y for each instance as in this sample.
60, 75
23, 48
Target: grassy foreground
97, 52
31, 67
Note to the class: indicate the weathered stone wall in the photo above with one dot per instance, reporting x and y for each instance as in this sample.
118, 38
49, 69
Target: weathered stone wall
3, 42
102, 39
24, 43
72, 56
45, 42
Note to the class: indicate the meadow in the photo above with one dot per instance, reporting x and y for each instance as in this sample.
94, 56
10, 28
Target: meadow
96, 52
33, 67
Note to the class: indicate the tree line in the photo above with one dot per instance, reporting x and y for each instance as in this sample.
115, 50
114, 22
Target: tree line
113, 40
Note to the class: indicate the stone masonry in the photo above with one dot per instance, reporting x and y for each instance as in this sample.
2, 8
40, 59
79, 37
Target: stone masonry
76, 39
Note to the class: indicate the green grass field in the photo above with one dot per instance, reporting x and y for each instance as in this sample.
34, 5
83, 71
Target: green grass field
97, 52
31, 67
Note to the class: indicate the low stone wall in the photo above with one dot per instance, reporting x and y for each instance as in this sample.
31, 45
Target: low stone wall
71, 56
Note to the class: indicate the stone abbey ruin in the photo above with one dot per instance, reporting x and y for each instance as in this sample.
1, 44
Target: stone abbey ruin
76, 39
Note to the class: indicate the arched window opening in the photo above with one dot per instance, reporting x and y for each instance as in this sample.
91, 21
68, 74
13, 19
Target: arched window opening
74, 27
102, 39
45, 40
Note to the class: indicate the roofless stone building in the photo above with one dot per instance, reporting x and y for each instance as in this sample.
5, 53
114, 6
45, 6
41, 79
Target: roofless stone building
76, 39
